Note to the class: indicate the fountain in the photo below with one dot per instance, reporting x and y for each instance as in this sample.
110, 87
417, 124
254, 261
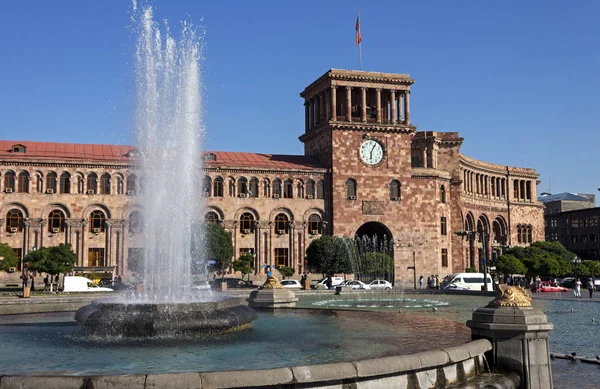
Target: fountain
169, 134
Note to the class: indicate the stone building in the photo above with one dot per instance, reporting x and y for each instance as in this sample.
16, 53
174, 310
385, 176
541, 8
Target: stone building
366, 171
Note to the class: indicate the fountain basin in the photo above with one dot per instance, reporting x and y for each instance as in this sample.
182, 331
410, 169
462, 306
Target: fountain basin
107, 318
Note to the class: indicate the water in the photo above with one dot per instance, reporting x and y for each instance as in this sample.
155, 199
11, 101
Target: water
327, 337
169, 132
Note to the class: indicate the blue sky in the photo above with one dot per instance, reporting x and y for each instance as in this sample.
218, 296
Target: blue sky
518, 80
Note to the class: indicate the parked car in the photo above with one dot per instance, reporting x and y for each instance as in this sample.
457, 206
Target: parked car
568, 282
548, 287
355, 284
335, 281
291, 284
200, 285
380, 284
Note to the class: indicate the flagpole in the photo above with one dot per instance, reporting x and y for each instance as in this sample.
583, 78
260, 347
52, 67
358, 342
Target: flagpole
359, 43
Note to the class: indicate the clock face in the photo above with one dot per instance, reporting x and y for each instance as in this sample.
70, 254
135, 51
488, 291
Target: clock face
371, 152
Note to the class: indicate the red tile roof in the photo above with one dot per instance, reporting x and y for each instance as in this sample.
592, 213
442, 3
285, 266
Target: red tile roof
50, 151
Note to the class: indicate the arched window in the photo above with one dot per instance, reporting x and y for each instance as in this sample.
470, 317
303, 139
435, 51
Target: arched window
132, 186
218, 187
141, 184
96, 221
395, 190
321, 189
56, 221
277, 188
105, 184
120, 184
288, 188
529, 234
350, 189
206, 186
267, 188
24, 182
443, 194
242, 187
231, 185
51, 179
281, 224
314, 224
9, 181
14, 221
519, 236
246, 223
310, 189
92, 183
65, 183
39, 182
136, 222
211, 217
253, 189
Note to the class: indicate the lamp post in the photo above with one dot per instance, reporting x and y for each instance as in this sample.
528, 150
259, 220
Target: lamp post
576, 261
482, 236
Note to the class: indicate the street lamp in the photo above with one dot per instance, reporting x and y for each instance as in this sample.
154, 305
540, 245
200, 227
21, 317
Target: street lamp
576, 261
482, 236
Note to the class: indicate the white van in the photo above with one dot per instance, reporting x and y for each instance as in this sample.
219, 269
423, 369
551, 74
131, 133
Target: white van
335, 281
468, 281
82, 284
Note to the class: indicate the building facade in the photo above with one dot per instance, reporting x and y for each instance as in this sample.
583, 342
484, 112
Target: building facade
366, 171
573, 220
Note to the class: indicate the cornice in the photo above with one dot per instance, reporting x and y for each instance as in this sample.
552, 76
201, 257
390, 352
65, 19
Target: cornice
50, 164
266, 171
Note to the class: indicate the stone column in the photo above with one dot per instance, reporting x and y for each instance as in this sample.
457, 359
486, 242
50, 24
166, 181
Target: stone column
407, 107
327, 95
115, 229
393, 104
306, 116
317, 110
378, 102
291, 250
425, 157
334, 102
363, 107
310, 115
519, 337
400, 106
76, 230
349, 103
434, 156
257, 254
322, 115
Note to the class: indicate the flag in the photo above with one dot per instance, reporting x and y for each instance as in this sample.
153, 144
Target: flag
358, 36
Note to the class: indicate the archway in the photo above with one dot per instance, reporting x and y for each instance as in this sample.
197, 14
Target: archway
375, 257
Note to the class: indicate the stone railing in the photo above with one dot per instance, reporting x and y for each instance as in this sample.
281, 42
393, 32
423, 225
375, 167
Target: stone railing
430, 369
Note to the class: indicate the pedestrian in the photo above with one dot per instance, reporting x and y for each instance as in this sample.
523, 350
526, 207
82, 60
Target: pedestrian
577, 290
303, 281
25, 278
421, 282
428, 282
590, 286
32, 281
46, 283
437, 281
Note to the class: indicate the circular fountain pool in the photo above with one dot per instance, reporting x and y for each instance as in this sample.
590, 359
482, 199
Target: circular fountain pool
52, 343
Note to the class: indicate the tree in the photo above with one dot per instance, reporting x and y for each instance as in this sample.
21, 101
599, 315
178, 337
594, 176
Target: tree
330, 254
218, 246
52, 260
286, 271
9, 255
543, 258
244, 264
509, 264
377, 263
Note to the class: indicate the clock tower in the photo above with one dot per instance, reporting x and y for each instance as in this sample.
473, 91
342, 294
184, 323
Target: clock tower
383, 182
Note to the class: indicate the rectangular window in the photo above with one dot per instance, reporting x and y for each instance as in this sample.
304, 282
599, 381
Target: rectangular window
281, 257
415, 161
95, 257
443, 226
444, 257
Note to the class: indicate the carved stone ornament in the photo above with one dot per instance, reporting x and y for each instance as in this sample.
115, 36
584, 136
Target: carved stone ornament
372, 207
272, 283
511, 296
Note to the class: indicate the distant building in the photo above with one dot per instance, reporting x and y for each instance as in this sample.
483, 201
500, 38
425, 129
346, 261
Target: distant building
573, 220
366, 171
